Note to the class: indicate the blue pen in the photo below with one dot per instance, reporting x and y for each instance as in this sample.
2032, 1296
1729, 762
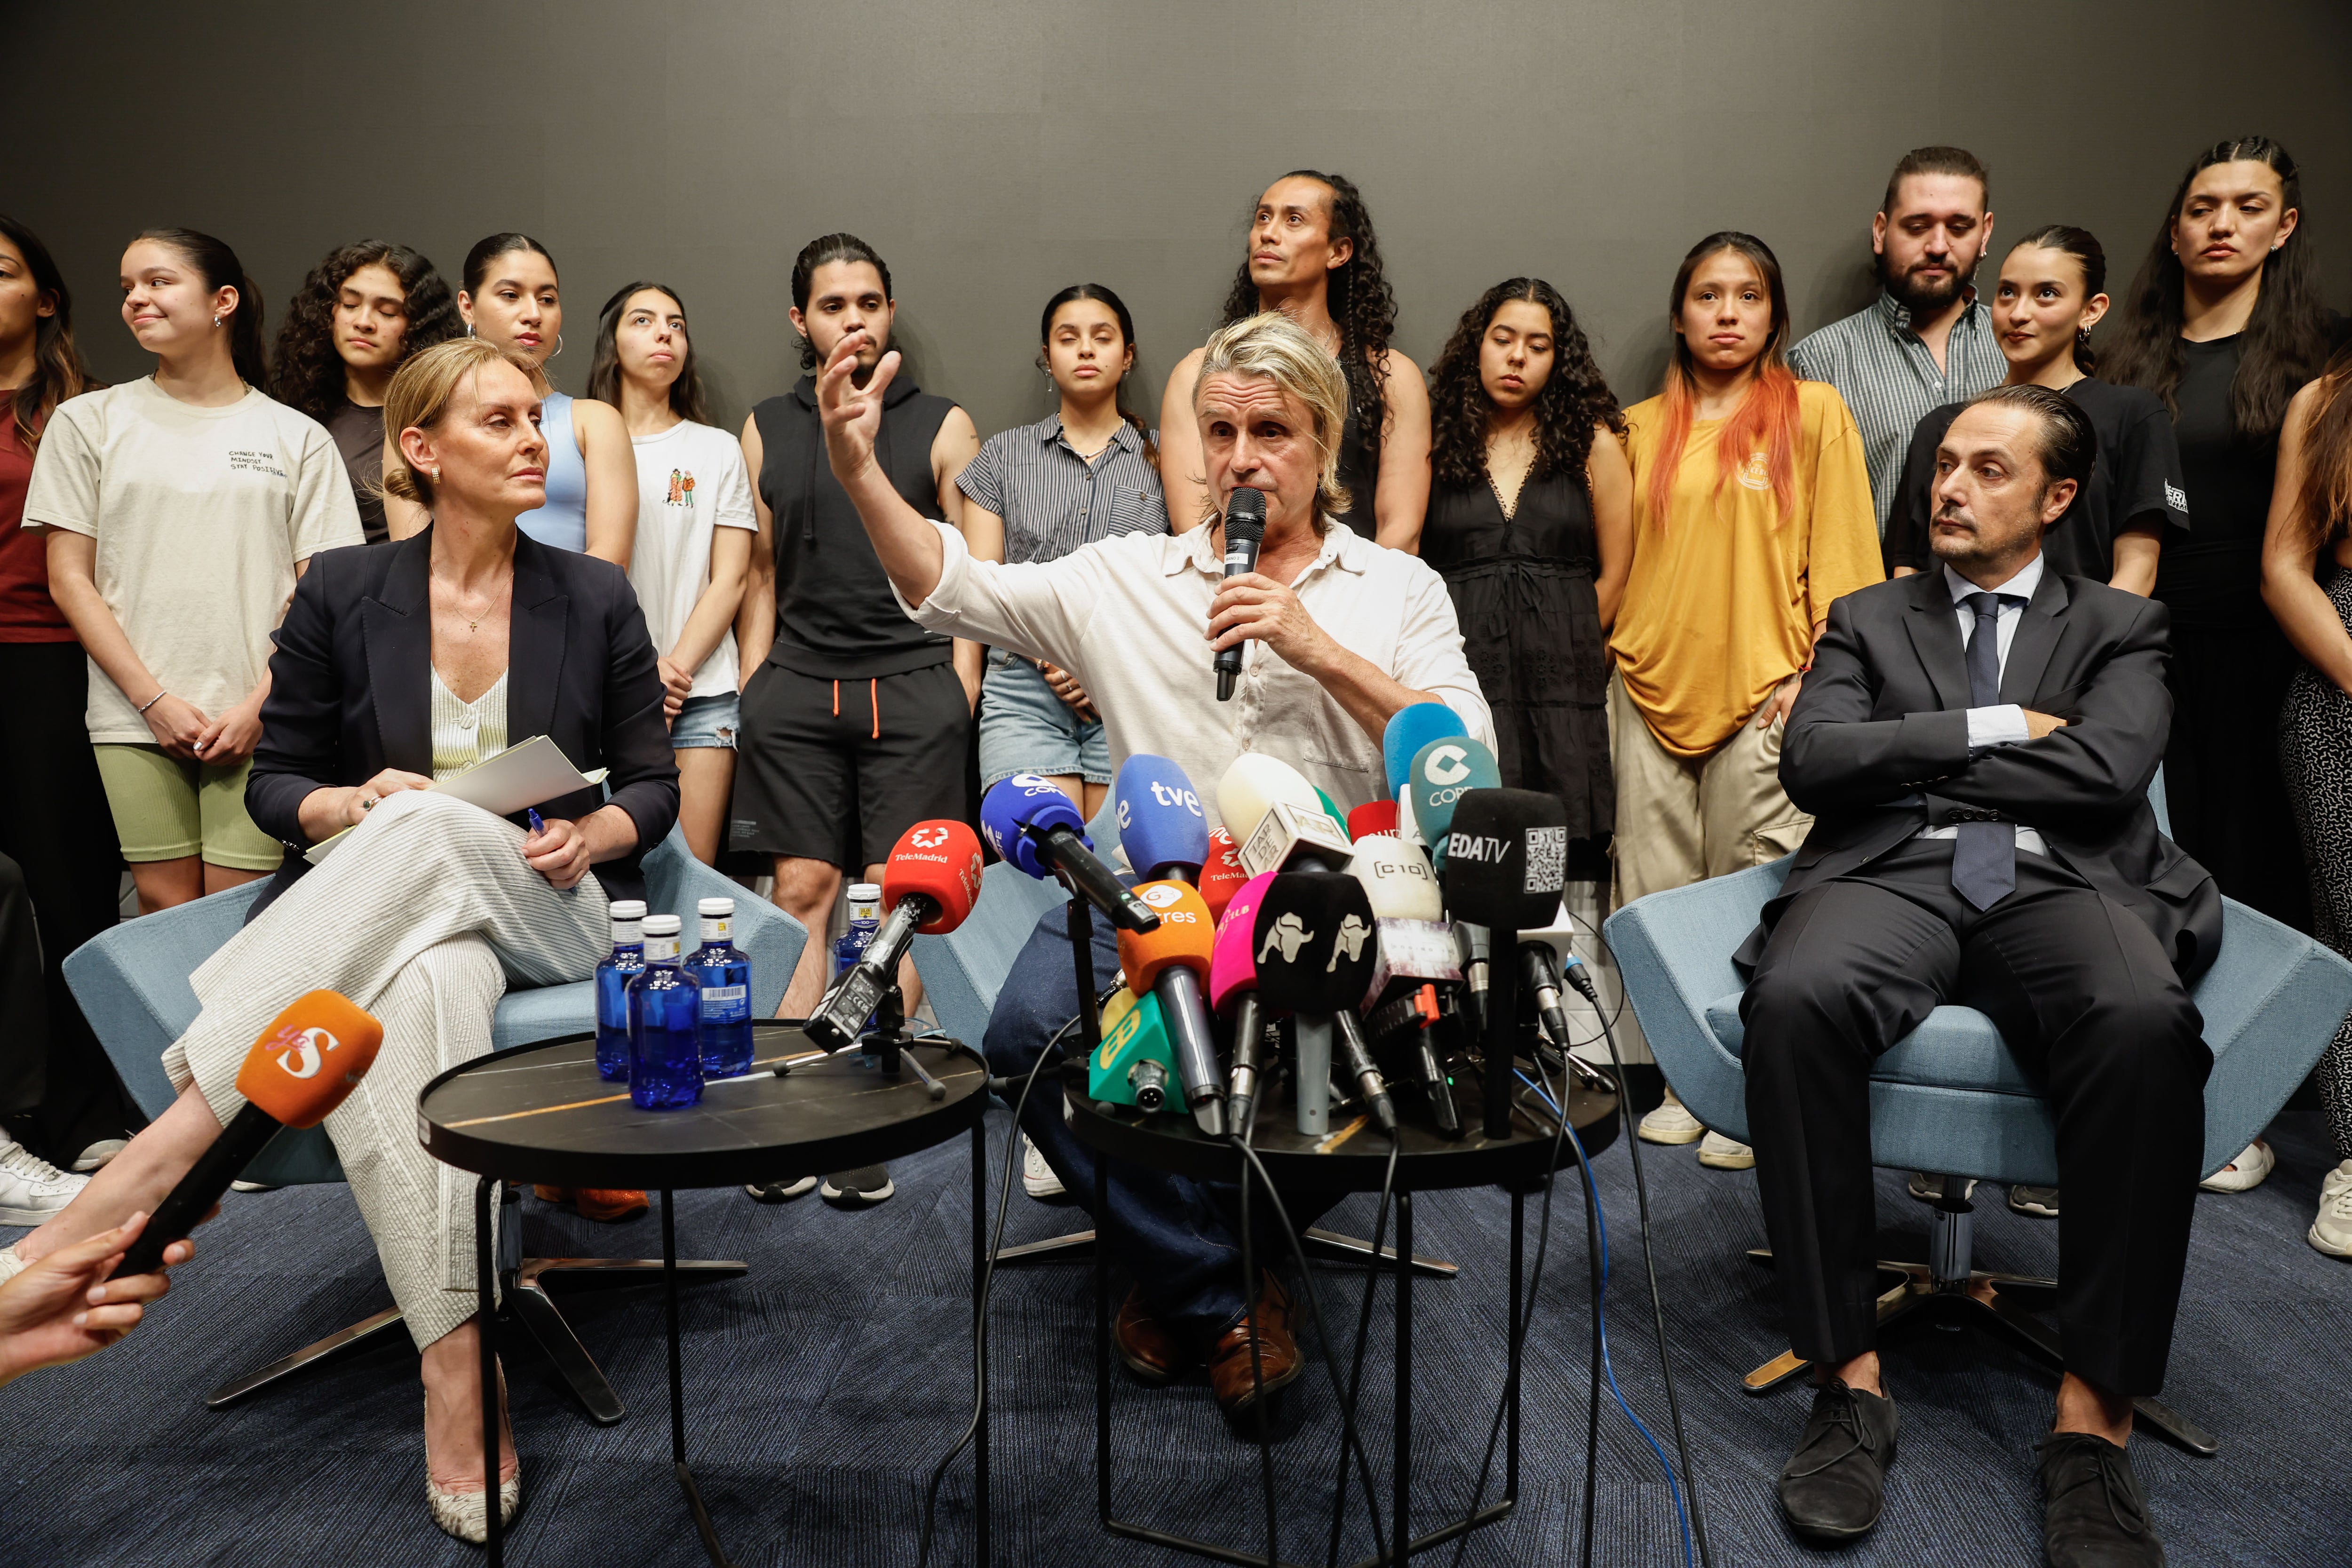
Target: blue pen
537, 827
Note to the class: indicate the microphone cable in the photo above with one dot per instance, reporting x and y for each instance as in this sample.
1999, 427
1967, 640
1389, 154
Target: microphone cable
1363, 1326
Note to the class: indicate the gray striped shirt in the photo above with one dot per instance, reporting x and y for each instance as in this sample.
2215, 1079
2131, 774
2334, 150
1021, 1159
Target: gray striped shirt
1890, 382
1052, 501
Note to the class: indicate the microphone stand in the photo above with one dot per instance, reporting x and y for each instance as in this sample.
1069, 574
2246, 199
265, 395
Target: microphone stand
886, 1043
1502, 1033
1082, 968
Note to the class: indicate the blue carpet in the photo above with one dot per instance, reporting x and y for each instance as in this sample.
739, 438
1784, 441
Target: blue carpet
822, 1387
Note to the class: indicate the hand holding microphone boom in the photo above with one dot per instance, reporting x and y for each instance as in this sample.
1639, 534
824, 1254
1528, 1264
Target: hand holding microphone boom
928, 885
1030, 822
312, 1056
1171, 964
1245, 531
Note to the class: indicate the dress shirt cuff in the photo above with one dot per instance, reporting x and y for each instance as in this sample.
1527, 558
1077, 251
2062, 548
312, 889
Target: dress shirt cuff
2003, 725
943, 608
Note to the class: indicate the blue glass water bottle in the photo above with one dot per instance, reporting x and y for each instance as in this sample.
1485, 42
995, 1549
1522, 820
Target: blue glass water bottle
726, 975
664, 1024
613, 988
865, 920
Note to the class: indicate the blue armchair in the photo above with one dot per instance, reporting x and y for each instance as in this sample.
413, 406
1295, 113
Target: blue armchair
1950, 1098
132, 984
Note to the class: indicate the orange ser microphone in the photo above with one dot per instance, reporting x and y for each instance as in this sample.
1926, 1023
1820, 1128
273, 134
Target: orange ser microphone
1172, 962
302, 1067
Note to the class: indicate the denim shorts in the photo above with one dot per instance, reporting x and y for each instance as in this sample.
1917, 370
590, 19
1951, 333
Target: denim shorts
1025, 729
706, 721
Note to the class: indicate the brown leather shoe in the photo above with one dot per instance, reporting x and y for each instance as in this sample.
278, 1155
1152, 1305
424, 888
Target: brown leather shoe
1146, 1348
1231, 1375
610, 1204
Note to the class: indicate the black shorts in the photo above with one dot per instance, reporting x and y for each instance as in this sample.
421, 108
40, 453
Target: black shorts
837, 770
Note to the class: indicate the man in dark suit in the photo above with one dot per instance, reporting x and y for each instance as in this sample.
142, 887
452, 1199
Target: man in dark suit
1975, 743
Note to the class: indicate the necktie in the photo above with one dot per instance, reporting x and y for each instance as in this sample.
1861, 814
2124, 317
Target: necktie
1984, 860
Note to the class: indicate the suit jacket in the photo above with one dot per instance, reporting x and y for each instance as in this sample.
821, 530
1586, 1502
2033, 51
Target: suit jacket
1877, 746
351, 690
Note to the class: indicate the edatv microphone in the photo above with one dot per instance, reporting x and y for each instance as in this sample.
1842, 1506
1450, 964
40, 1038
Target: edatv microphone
1441, 773
1160, 825
1232, 995
1410, 729
1223, 875
1415, 955
1506, 861
310, 1057
1277, 817
1376, 817
1030, 822
1171, 964
1315, 954
1245, 531
929, 884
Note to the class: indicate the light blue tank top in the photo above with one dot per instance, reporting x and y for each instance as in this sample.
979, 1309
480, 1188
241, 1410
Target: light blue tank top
563, 521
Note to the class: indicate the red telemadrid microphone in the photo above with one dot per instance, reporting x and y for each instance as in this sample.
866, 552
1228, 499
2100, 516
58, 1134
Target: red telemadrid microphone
1372, 818
1172, 964
929, 883
301, 1069
1223, 875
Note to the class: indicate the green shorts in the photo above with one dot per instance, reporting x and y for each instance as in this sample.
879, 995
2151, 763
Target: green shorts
166, 809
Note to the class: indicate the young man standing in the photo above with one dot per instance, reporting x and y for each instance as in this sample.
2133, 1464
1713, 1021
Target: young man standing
856, 720
1926, 341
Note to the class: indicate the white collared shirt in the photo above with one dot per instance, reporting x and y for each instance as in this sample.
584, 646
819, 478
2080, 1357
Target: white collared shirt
1129, 616
2000, 724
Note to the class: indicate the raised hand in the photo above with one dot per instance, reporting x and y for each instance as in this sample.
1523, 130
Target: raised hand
852, 414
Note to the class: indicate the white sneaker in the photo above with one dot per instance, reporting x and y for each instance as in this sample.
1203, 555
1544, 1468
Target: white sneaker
2244, 1173
1724, 1155
1671, 1122
2336, 1181
2331, 1231
1038, 1178
95, 1157
31, 1190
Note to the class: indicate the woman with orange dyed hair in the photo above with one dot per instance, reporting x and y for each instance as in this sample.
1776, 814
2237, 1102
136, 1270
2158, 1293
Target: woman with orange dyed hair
1751, 512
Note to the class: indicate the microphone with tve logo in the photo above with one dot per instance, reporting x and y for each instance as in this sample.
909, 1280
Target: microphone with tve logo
1245, 531
312, 1056
1171, 964
1029, 822
1505, 863
929, 884
1160, 824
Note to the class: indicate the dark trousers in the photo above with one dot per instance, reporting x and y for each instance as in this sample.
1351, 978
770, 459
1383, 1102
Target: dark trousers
55, 825
2086, 1000
1180, 1238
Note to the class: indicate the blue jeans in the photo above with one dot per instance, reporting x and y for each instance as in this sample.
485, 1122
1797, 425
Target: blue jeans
1180, 1238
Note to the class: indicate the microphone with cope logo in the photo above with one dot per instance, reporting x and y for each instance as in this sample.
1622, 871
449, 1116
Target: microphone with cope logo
1441, 773
1233, 995
312, 1054
1171, 964
929, 884
1506, 861
1315, 954
1160, 825
1032, 824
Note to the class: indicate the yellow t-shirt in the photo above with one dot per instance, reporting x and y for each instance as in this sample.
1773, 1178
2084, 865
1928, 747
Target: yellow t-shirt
1721, 605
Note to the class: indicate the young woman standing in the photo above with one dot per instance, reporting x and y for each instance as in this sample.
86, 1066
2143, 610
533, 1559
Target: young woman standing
1037, 492
181, 507
1751, 513
2224, 322
2052, 291
363, 311
512, 300
1531, 522
694, 533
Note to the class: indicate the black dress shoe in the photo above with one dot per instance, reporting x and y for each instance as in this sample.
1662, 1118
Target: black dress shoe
2093, 1515
1833, 1486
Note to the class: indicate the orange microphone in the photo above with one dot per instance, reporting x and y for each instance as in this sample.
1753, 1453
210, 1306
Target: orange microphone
1172, 964
930, 883
301, 1069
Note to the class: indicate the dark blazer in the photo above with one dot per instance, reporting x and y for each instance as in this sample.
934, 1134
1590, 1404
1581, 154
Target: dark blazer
351, 690
1877, 746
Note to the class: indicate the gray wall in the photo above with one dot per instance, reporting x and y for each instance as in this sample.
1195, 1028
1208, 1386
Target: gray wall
997, 152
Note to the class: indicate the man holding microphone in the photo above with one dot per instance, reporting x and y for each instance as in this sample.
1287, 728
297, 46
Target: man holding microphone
1349, 632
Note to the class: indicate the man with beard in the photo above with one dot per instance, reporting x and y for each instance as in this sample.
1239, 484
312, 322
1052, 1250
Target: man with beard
1925, 341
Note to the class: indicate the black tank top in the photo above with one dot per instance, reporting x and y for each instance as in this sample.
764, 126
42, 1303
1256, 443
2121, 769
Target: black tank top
1359, 476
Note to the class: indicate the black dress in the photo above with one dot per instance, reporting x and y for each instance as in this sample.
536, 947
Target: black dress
1522, 589
1359, 476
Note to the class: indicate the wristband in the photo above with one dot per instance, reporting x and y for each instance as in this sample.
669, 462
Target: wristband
150, 702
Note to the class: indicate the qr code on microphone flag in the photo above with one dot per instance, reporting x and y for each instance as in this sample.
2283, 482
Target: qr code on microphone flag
1547, 859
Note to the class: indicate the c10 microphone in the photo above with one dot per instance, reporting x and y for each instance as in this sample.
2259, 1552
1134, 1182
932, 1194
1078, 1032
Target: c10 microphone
1441, 772
1029, 822
312, 1056
1506, 861
1410, 729
1171, 964
1415, 953
1160, 825
1245, 531
929, 884
1277, 817
1221, 875
1315, 954
1232, 995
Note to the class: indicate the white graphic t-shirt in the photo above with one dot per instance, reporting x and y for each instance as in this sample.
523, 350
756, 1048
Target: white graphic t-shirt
690, 481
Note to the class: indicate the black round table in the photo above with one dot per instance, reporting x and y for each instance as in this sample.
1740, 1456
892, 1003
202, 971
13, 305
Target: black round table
1351, 1157
542, 1113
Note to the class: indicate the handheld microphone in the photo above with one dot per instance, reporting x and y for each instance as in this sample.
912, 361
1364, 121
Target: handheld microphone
312, 1056
928, 883
1223, 875
1506, 861
1028, 821
1160, 824
1376, 817
1410, 729
1315, 954
1475, 944
1277, 817
1233, 993
1415, 952
1440, 775
1245, 531
1171, 964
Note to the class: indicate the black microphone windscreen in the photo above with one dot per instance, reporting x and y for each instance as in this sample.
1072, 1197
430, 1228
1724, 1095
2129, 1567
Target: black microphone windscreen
1245, 512
1315, 943
1507, 858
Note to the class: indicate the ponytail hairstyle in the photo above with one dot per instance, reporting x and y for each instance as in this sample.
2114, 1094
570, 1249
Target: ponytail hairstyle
1572, 404
685, 398
57, 371
1766, 417
305, 372
490, 247
2324, 505
2286, 338
2088, 254
816, 253
217, 264
1096, 291
420, 394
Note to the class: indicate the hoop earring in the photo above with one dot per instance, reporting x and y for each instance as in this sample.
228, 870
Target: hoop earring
559, 345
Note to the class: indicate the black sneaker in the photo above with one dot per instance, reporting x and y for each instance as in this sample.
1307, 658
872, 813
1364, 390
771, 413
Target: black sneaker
783, 1191
2094, 1513
858, 1189
1834, 1485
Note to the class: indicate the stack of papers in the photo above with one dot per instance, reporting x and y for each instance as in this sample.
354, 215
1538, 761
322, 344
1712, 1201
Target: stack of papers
516, 779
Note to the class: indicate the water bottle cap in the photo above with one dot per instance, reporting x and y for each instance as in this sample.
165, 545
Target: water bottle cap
661, 925
716, 908
627, 908
864, 892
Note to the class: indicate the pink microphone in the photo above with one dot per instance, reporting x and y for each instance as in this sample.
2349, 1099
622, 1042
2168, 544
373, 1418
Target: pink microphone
1233, 993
